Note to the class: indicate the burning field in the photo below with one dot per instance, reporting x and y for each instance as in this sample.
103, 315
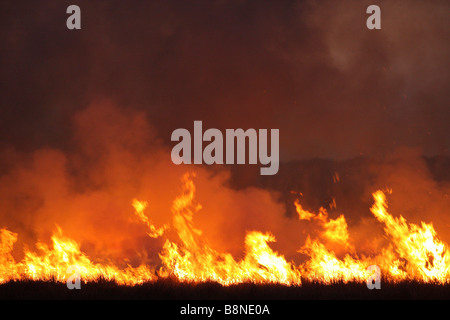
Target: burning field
414, 252
231, 239
98, 198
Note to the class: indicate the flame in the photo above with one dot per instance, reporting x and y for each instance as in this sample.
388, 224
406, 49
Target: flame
325, 267
427, 258
334, 230
196, 260
414, 253
53, 263
303, 214
8, 269
139, 207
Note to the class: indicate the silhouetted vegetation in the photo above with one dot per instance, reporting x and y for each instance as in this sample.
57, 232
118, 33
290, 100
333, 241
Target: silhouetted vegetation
169, 289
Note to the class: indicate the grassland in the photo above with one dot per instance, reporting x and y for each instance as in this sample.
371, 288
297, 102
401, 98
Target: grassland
168, 289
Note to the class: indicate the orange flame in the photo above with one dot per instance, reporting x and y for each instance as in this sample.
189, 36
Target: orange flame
427, 258
415, 253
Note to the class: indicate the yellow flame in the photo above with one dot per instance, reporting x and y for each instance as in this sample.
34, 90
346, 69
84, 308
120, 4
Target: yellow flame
427, 258
415, 253
139, 207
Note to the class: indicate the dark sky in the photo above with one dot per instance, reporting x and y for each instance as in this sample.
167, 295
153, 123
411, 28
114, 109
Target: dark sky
310, 68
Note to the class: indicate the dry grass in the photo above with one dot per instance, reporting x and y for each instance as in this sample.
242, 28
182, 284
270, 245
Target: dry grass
169, 289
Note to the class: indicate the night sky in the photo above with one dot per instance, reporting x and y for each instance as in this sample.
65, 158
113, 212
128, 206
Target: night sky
86, 115
310, 68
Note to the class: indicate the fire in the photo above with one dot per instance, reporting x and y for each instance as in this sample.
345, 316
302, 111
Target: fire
325, 267
333, 230
414, 253
53, 263
426, 257
139, 207
196, 260
8, 269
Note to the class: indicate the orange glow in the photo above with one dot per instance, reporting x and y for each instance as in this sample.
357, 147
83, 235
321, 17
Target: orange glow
414, 252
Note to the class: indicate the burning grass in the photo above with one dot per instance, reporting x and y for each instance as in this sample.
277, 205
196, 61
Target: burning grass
415, 254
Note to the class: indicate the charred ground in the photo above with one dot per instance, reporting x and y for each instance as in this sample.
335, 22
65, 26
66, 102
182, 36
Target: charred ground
169, 289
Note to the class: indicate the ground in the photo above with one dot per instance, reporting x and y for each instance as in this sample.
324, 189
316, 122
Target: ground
173, 290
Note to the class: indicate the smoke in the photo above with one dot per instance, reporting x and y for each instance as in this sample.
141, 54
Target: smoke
113, 159
116, 157
312, 69
417, 195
